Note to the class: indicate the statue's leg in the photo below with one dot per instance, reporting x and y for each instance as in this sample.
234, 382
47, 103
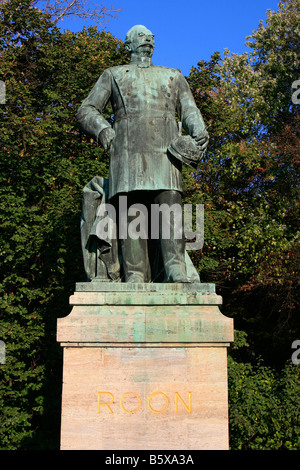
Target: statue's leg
172, 241
134, 249
135, 258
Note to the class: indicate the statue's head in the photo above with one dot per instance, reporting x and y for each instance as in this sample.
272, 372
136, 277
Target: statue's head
139, 40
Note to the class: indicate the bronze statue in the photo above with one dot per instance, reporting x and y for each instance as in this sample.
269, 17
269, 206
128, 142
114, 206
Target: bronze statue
146, 149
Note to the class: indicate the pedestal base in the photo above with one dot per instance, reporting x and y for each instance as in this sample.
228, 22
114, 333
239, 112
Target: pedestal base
145, 368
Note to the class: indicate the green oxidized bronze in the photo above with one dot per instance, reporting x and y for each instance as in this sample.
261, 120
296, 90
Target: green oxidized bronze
146, 148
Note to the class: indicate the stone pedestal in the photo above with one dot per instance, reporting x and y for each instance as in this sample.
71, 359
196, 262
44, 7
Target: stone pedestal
145, 367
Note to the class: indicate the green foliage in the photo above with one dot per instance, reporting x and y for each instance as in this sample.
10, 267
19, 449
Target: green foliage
264, 409
275, 62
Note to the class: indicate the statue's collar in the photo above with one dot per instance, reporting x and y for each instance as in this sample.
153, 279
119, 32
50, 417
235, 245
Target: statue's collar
142, 62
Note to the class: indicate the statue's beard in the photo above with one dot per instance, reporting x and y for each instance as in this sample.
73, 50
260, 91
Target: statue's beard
145, 51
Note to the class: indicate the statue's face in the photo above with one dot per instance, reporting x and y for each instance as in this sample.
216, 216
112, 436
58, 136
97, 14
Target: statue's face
142, 41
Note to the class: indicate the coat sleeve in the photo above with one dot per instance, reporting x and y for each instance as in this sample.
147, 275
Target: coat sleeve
189, 114
89, 114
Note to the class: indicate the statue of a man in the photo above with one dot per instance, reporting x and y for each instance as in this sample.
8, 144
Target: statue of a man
145, 99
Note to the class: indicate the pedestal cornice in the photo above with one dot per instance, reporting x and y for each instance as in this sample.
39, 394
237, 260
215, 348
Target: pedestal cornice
141, 315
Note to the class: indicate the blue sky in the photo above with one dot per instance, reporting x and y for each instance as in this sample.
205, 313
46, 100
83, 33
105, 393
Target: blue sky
186, 31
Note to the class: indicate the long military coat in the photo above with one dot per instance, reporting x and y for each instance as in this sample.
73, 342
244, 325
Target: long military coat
144, 101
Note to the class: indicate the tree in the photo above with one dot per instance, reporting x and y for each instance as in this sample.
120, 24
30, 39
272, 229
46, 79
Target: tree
59, 9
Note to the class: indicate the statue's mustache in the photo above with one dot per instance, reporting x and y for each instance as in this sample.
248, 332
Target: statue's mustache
147, 44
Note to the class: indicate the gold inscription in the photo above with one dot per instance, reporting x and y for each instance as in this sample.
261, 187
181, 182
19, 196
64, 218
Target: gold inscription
99, 404
130, 402
149, 401
135, 395
188, 408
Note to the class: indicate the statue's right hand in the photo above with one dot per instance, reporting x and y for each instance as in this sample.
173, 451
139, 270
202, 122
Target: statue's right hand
202, 140
106, 137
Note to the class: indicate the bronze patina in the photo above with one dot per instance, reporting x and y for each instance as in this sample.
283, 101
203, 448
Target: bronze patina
146, 148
